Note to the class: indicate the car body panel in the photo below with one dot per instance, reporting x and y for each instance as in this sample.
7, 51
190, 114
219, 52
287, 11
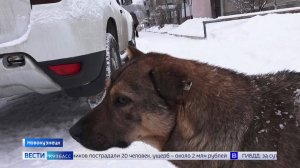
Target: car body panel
65, 30
14, 19
57, 31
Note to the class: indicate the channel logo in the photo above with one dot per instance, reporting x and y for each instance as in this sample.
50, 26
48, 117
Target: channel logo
234, 156
49, 155
34, 156
59, 155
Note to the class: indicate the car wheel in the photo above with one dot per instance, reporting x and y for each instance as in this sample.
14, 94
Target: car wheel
113, 63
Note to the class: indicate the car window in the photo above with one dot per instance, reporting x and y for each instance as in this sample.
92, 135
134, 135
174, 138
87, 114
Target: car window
35, 2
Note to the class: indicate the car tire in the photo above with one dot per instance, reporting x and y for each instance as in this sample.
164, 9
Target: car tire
113, 63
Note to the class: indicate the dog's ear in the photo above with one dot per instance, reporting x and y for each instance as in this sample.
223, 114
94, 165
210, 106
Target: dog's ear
133, 52
170, 83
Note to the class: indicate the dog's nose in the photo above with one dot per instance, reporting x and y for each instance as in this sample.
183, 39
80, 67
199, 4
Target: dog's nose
76, 132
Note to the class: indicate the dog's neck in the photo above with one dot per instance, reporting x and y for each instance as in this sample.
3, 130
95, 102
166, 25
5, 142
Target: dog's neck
208, 115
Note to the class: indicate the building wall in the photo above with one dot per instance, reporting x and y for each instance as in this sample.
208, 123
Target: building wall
201, 8
229, 8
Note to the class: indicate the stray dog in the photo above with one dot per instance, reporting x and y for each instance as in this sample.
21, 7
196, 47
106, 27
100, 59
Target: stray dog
182, 105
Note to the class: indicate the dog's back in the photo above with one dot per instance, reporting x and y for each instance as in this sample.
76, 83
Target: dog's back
275, 125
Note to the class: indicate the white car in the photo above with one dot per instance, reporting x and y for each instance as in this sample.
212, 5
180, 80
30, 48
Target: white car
53, 45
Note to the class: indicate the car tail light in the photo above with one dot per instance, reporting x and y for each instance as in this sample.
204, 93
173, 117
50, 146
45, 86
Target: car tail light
66, 69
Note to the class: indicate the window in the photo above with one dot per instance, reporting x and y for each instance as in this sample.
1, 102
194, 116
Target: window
126, 2
35, 2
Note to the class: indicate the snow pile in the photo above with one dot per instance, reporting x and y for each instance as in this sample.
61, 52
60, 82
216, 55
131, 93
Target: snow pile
191, 27
251, 28
280, 25
261, 44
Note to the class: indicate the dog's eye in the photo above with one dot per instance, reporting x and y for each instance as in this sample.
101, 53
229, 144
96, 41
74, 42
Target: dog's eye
122, 101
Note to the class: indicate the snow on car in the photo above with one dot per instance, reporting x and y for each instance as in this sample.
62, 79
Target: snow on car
53, 45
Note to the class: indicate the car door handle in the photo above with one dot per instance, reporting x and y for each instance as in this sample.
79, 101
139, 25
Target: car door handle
121, 11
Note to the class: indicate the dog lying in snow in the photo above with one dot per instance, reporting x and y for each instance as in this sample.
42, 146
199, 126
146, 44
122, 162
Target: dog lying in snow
182, 105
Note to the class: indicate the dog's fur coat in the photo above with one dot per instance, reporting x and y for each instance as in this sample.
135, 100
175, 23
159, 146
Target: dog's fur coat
181, 105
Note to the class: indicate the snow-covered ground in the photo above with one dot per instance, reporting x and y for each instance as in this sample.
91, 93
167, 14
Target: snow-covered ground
257, 45
261, 44
52, 115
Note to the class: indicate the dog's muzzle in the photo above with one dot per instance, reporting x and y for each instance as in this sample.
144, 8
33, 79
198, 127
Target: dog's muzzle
94, 141
90, 141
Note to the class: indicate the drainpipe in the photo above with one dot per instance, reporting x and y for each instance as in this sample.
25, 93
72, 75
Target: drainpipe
184, 5
275, 4
222, 7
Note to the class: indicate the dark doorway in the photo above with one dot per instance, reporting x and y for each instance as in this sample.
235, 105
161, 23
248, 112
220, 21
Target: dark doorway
215, 8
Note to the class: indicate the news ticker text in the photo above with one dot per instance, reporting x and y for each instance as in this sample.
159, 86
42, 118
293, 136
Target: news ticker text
71, 155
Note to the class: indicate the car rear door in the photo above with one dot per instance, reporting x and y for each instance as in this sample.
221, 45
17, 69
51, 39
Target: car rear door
14, 19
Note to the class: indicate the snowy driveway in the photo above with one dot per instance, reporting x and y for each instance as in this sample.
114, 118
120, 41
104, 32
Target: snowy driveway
51, 116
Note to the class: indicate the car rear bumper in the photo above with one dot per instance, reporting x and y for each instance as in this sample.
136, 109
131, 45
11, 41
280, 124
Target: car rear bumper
36, 76
24, 79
